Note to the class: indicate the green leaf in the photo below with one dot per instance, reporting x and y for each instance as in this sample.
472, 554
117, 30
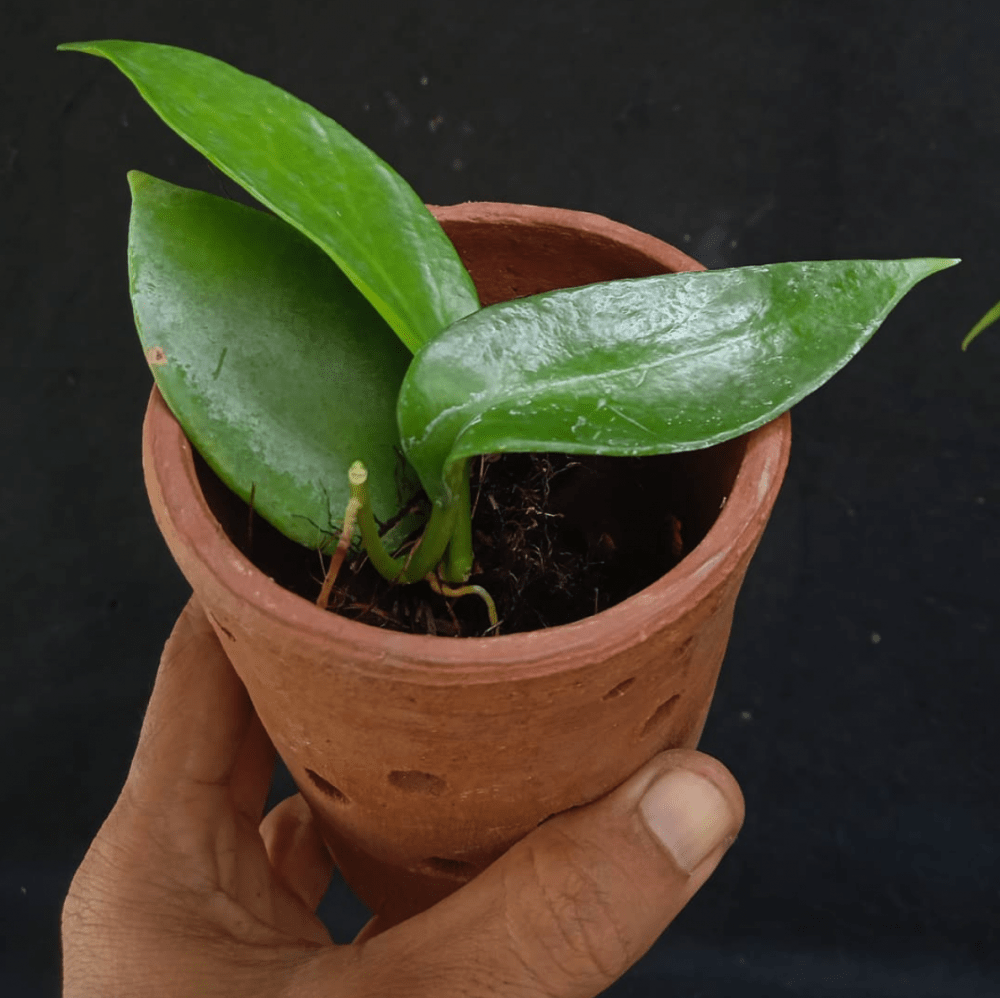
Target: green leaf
312, 173
279, 371
641, 366
987, 320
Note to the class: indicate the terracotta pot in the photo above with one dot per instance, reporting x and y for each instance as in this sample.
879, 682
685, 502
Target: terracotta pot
425, 758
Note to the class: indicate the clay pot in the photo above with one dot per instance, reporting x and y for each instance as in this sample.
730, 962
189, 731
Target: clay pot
425, 758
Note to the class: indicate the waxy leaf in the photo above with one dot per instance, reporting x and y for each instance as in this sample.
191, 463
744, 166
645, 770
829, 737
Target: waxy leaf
311, 172
279, 371
641, 366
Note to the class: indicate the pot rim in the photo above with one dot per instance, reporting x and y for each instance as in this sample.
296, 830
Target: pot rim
173, 486
532, 215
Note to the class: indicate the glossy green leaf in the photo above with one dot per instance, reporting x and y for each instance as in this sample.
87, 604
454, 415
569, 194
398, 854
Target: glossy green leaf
312, 173
280, 372
641, 366
986, 321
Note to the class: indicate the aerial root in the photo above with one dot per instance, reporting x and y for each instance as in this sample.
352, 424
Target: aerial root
444, 589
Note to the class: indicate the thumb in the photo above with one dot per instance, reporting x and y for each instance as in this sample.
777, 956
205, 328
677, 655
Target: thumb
568, 909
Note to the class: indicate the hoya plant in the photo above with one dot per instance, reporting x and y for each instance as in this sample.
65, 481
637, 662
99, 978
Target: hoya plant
331, 360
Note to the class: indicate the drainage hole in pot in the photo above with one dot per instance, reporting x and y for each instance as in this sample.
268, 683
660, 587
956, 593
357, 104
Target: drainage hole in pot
660, 715
617, 691
327, 787
413, 781
457, 869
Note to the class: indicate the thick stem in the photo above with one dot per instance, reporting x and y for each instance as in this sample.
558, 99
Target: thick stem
388, 567
458, 558
424, 557
431, 547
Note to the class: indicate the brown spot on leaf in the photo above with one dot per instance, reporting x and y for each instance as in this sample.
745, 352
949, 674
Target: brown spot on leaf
155, 356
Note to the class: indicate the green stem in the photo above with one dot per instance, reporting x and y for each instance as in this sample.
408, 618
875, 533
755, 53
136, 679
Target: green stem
388, 567
432, 544
424, 557
458, 558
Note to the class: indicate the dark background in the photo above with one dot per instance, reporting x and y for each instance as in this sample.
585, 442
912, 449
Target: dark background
858, 703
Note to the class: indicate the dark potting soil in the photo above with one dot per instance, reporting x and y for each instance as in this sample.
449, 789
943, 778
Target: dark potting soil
556, 538
551, 546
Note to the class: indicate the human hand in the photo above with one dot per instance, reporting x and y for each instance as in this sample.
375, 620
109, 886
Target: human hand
186, 892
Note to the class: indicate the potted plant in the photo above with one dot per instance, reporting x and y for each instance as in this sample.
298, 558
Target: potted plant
360, 358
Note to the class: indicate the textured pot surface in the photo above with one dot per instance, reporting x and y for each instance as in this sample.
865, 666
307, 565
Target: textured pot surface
425, 758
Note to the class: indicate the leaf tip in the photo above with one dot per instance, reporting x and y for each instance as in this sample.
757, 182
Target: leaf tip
90, 48
137, 180
933, 264
108, 48
918, 269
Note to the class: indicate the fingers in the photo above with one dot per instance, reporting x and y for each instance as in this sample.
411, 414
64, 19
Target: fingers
202, 747
573, 905
198, 713
251, 777
297, 853
371, 928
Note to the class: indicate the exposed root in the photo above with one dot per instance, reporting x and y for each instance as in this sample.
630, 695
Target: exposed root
340, 552
444, 589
